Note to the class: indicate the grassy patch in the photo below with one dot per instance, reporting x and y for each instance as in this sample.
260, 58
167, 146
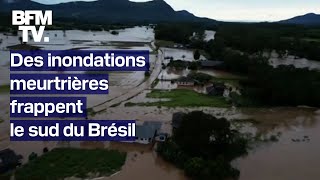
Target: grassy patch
232, 80
91, 112
67, 162
163, 43
4, 89
183, 98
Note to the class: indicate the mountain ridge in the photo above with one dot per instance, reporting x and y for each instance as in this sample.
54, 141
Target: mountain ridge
306, 19
109, 11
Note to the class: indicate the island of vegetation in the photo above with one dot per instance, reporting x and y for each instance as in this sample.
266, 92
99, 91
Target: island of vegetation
203, 146
62, 163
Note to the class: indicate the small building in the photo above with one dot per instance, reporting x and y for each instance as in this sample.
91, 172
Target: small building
185, 81
9, 160
147, 132
210, 64
217, 89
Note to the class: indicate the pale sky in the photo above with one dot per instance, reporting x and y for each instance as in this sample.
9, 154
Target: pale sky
239, 10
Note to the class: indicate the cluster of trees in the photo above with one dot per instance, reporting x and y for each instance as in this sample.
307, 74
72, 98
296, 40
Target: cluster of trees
252, 38
182, 33
5, 23
196, 54
181, 65
176, 33
204, 146
200, 78
282, 86
241, 46
266, 85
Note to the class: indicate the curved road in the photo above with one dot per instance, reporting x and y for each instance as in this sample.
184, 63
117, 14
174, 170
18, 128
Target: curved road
137, 90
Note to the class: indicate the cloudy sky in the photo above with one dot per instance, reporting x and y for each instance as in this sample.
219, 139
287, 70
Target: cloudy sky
239, 10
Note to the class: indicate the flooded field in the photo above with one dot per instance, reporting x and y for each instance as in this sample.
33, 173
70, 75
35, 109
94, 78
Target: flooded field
136, 38
295, 61
179, 54
209, 35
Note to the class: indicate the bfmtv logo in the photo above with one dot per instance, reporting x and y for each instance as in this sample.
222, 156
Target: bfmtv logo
23, 19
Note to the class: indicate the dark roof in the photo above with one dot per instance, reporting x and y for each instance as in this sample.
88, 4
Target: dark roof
147, 129
216, 89
210, 89
177, 119
208, 63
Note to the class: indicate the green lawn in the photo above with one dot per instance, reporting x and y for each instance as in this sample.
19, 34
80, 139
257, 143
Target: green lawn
68, 162
164, 43
183, 98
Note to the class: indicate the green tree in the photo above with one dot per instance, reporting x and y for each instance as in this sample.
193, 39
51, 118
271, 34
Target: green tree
33, 156
194, 166
20, 39
196, 55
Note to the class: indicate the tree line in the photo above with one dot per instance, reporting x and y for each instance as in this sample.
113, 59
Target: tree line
241, 47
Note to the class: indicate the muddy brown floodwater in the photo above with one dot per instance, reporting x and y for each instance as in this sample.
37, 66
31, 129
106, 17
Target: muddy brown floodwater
295, 156
143, 163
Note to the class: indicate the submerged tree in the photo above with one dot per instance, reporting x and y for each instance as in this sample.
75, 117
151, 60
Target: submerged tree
196, 55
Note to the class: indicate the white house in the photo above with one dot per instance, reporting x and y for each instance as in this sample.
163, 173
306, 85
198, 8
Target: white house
147, 132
